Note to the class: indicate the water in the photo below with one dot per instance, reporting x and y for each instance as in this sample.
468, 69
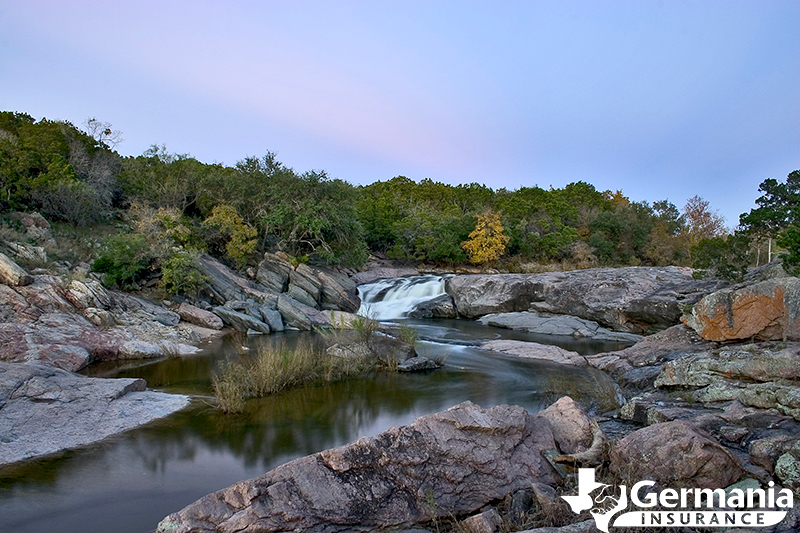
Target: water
395, 298
128, 483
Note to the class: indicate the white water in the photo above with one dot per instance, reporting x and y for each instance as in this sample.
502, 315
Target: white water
396, 297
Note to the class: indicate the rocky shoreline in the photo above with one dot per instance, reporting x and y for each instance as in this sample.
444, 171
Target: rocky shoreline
711, 381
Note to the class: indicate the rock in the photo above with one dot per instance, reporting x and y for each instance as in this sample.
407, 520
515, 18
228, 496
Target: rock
534, 350
548, 324
140, 350
271, 317
99, 317
769, 310
299, 294
88, 293
305, 278
674, 453
757, 375
640, 300
418, 364
375, 270
572, 427
240, 321
293, 313
521, 502
547, 499
587, 526
12, 274
28, 253
651, 350
338, 290
485, 522
153, 312
44, 410
787, 467
765, 452
440, 307
226, 285
274, 271
200, 317
460, 459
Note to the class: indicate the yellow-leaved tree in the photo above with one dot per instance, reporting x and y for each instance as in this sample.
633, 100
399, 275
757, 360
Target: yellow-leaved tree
487, 241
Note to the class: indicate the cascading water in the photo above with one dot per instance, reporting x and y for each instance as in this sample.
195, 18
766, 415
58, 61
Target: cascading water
397, 297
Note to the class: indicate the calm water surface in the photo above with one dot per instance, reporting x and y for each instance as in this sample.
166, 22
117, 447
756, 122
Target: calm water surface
128, 483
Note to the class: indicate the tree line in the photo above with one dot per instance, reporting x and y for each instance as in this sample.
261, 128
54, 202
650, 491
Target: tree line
175, 207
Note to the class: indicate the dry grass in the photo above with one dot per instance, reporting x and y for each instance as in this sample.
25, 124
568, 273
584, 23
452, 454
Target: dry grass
275, 369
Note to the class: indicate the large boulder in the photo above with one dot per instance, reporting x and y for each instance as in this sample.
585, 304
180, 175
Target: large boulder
383, 269
441, 306
241, 321
561, 325
199, 317
294, 313
338, 291
226, 285
45, 410
769, 310
674, 453
12, 274
274, 271
639, 300
449, 463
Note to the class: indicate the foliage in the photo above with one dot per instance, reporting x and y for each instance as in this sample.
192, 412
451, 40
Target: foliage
124, 259
487, 242
240, 236
701, 223
778, 216
725, 257
181, 273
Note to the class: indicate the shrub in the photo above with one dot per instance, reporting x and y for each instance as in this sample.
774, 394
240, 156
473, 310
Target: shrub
124, 259
181, 273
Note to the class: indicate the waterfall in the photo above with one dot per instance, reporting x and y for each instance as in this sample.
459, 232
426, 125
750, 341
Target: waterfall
396, 297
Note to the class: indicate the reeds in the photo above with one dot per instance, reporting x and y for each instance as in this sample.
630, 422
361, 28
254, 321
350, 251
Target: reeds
275, 369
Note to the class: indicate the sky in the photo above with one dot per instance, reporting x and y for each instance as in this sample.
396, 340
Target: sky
659, 99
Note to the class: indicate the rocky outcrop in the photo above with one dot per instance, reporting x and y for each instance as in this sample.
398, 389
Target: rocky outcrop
769, 310
757, 375
283, 295
12, 274
675, 453
561, 325
638, 366
241, 321
449, 463
534, 350
44, 410
640, 300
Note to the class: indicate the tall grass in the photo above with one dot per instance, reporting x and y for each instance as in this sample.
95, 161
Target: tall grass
275, 369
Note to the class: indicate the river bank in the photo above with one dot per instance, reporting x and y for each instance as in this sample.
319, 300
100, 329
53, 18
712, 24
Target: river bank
733, 396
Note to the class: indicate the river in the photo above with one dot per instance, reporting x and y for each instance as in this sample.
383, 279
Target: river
129, 482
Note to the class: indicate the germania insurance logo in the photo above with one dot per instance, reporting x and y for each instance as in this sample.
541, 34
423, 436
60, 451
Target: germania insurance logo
685, 507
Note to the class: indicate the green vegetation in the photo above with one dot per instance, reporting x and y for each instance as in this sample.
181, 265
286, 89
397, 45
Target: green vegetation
170, 208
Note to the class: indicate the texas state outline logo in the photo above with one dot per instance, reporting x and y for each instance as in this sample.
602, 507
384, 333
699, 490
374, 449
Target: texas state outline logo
684, 507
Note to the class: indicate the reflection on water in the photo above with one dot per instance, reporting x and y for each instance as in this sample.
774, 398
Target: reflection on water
128, 483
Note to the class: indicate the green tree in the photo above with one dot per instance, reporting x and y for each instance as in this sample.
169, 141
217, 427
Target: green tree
778, 216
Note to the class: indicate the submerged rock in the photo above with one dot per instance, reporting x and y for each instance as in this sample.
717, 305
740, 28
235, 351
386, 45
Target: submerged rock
448, 463
44, 410
439, 307
534, 350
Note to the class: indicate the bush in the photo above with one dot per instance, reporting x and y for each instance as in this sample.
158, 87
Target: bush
181, 273
124, 259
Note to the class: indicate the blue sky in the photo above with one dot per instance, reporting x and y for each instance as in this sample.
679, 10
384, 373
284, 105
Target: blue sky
663, 100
